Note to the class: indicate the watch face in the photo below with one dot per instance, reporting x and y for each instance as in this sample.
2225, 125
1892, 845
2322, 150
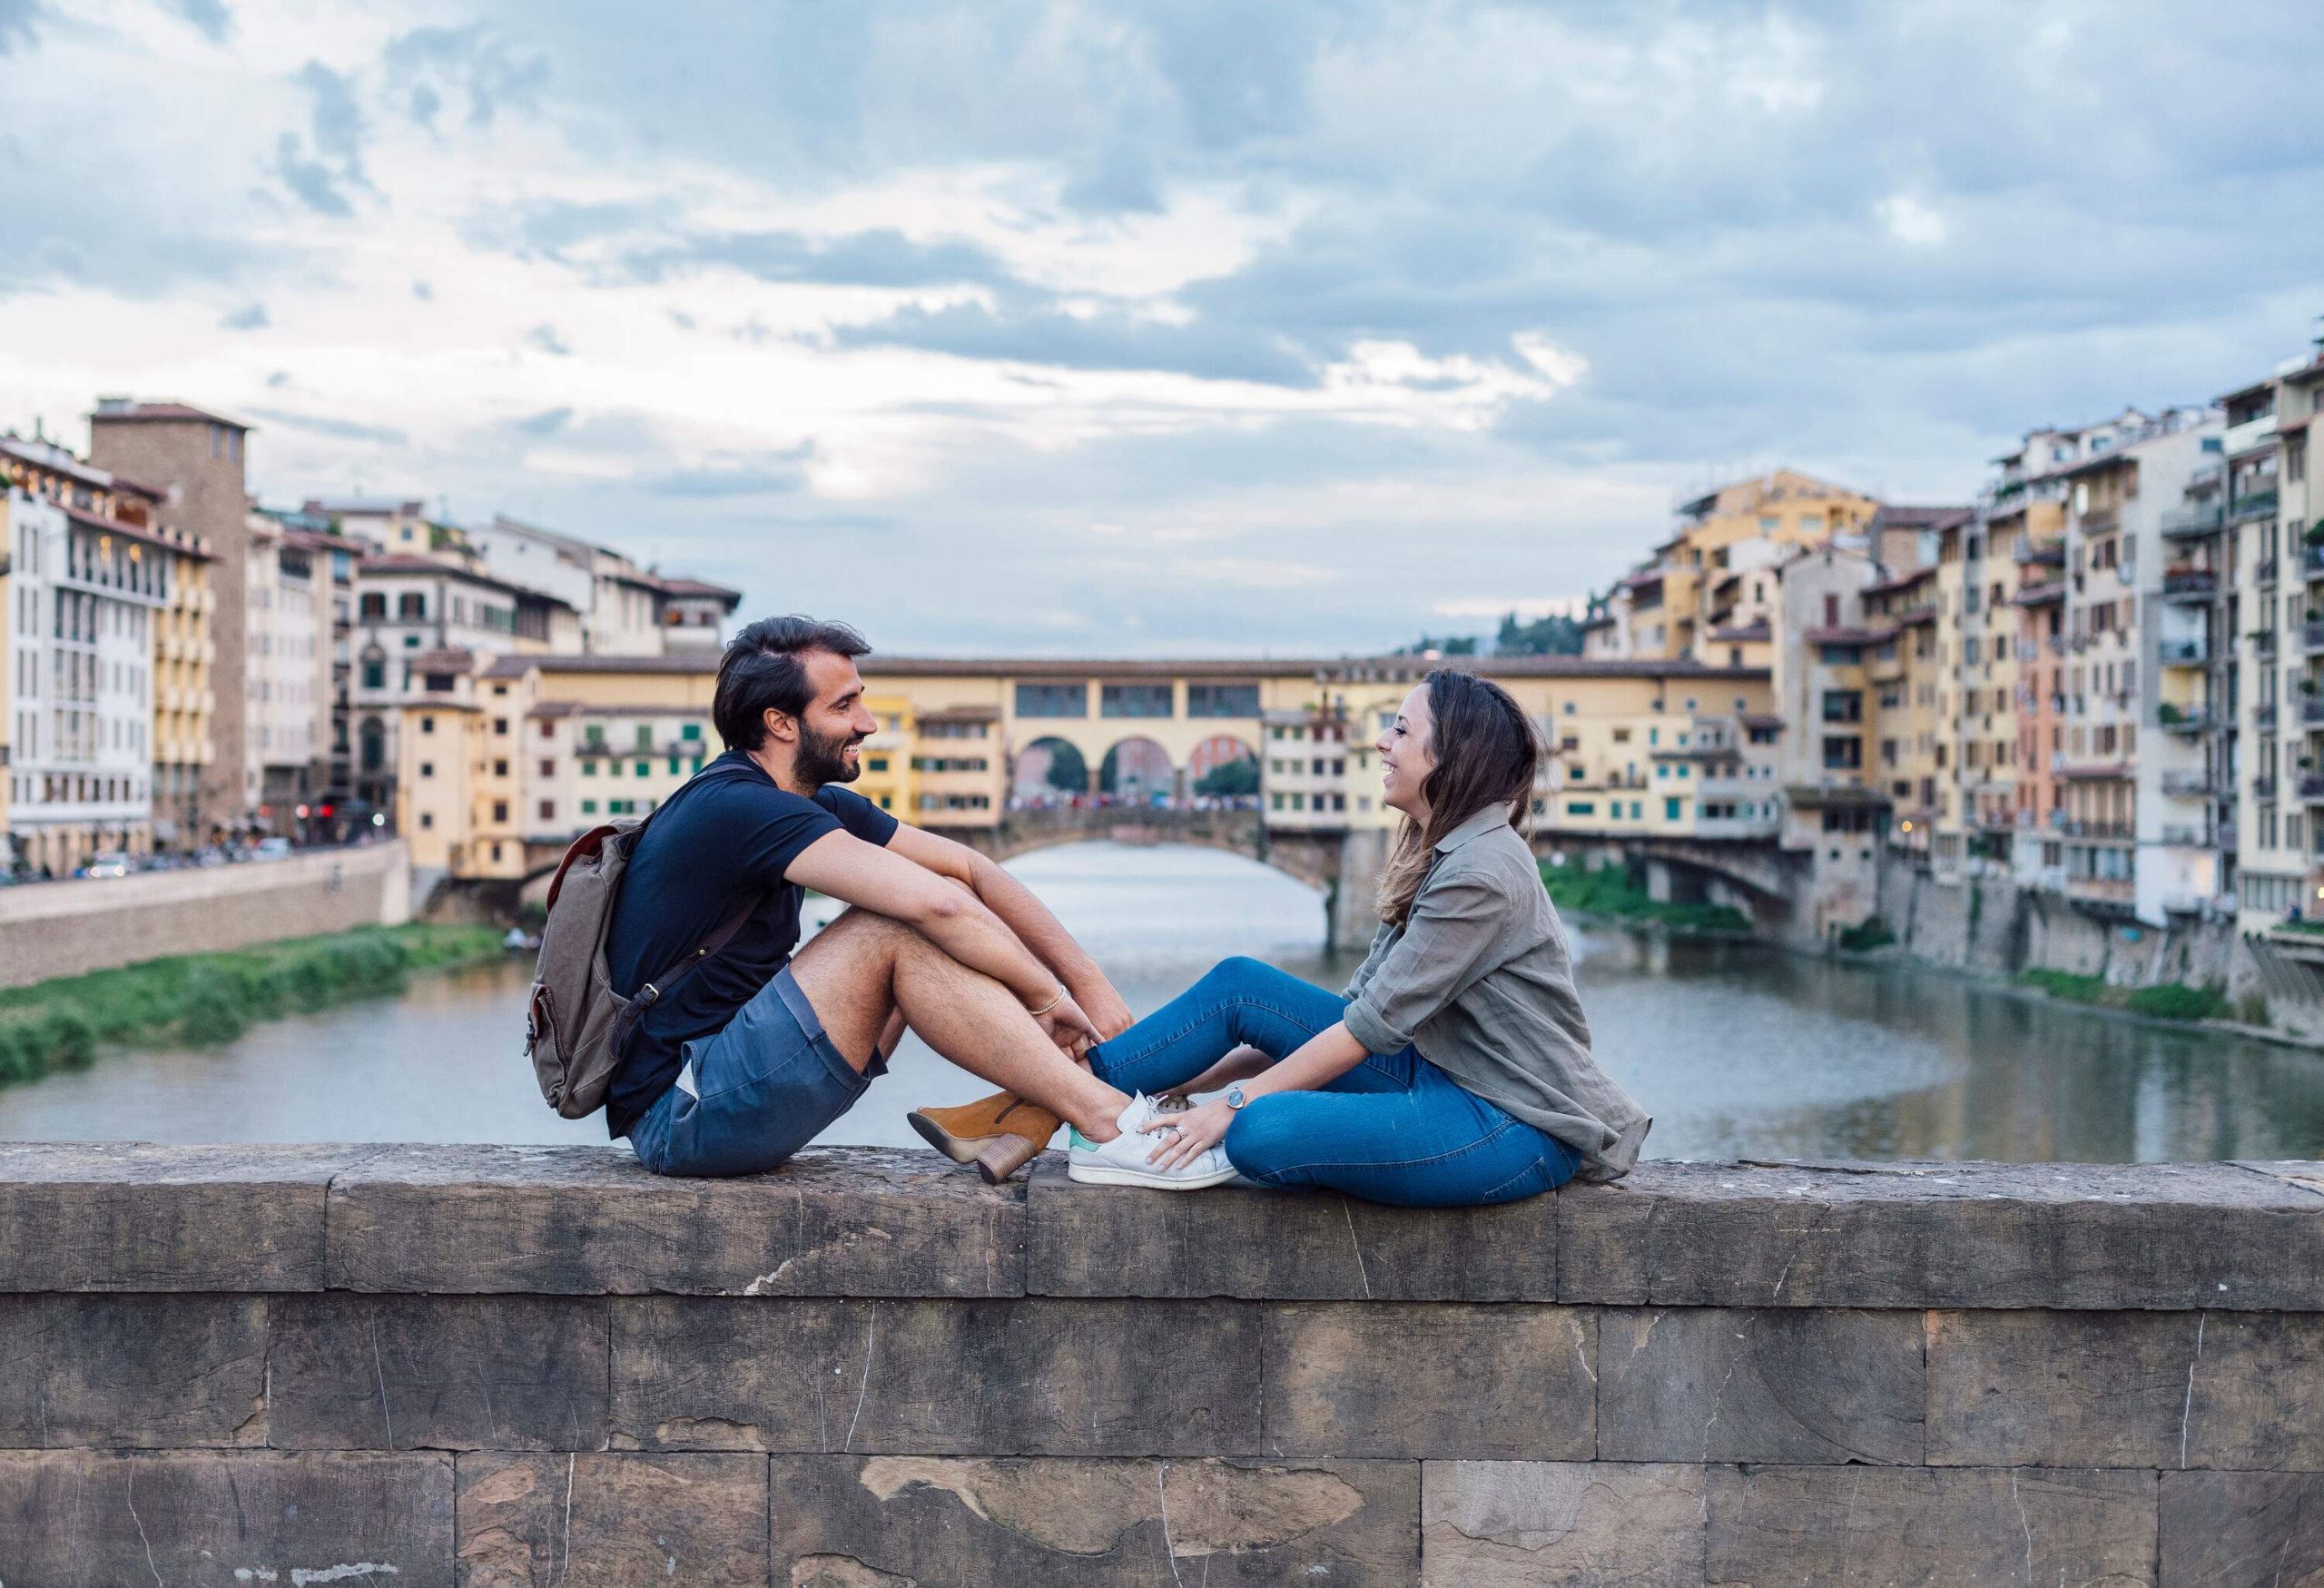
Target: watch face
1233, 1096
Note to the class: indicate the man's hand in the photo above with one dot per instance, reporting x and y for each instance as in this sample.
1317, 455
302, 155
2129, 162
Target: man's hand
1067, 1026
1109, 1015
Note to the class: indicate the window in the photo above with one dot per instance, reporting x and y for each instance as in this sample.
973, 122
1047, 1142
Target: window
1053, 700
1580, 808
1222, 700
500, 769
673, 766
645, 769
428, 818
428, 769
548, 768
645, 735
1670, 809
375, 675
1842, 755
690, 731
500, 810
411, 604
1134, 700
548, 810
428, 724
372, 604
500, 725
548, 729
589, 807
588, 769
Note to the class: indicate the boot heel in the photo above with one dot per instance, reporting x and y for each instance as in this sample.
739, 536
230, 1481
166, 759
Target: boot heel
1005, 1157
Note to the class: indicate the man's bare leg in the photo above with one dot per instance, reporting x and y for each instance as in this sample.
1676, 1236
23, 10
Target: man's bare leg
863, 970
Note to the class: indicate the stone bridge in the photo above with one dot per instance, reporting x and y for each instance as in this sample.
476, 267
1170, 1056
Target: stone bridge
436, 1366
1755, 876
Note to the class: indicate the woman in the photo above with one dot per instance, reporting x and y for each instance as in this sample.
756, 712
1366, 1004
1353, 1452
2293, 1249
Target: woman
1457, 1071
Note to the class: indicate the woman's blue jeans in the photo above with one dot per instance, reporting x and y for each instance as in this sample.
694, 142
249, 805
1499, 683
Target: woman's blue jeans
1394, 1128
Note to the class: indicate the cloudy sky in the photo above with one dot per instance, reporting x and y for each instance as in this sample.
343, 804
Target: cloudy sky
1164, 326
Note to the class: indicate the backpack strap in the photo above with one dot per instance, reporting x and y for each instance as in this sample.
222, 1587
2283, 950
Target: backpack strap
721, 935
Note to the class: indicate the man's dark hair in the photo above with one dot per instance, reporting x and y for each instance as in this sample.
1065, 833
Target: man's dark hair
765, 669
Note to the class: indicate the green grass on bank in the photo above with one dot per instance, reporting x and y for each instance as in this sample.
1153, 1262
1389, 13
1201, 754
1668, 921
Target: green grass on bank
214, 998
1608, 891
2164, 1001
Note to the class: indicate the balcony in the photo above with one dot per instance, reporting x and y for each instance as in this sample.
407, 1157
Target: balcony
2265, 573
2100, 520
2188, 584
2263, 787
2258, 504
2311, 788
2185, 719
2192, 785
2106, 831
2193, 652
2183, 835
2102, 890
2263, 643
2311, 561
2192, 523
2311, 712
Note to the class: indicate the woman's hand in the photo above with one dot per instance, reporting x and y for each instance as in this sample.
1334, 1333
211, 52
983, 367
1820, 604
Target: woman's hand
1202, 1126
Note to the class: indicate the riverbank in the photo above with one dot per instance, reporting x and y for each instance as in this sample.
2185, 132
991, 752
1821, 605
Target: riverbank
1605, 895
211, 998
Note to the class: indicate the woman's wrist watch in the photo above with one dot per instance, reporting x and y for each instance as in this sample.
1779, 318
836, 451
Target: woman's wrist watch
1235, 1096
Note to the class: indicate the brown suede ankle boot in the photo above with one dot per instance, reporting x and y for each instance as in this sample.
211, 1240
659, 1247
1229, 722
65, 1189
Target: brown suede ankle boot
970, 1133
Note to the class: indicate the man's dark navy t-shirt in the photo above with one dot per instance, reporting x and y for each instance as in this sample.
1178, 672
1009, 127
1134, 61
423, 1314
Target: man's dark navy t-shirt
728, 834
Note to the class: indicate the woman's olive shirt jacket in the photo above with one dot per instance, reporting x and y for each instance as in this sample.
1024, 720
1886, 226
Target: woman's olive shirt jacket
1480, 981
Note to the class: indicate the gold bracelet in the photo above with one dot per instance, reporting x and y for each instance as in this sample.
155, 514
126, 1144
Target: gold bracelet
1056, 1000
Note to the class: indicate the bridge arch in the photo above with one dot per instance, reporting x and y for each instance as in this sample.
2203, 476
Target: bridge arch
1050, 769
1135, 768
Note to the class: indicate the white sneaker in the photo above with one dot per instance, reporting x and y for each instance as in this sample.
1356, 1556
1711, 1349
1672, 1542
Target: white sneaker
1122, 1160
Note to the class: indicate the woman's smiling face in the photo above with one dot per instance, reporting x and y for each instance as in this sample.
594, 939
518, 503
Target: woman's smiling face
1407, 749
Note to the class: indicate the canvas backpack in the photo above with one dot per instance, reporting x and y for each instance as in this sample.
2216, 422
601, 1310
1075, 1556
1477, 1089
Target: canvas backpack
575, 1025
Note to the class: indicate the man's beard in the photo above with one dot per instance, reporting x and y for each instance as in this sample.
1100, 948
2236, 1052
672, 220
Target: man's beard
824, 760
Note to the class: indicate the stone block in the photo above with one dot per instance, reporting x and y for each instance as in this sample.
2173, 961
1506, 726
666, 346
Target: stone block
1430, 1379
1028, 1377
130, 1216
2242, 1530
1580, 1525
225, 1519
532, 1520
1759, 1383
1915, 1235
132, 1372
438, 1372
587, 1221
1920, 1527
1286, 1246
849, 1522
2207, 1390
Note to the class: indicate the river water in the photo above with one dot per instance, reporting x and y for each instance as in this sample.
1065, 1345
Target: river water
1738, 1051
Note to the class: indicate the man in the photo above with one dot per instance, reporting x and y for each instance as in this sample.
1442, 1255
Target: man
755, 1050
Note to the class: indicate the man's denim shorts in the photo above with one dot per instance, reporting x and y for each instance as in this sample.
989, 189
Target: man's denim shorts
753, 1093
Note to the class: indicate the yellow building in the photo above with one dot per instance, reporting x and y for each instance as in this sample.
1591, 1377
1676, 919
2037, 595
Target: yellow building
184, 648
886, 778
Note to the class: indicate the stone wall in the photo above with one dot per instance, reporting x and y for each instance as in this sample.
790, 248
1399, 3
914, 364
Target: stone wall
62, 929
431, 1366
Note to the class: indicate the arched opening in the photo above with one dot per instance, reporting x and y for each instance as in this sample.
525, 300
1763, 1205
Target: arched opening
1049, 772
1139, 771
1224, 770
372, 737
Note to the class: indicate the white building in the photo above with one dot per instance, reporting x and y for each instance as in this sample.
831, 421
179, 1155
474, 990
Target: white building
84, 587
287, 679
626, 610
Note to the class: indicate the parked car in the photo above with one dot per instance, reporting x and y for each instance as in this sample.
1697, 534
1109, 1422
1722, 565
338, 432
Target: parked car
272, 849
111, 864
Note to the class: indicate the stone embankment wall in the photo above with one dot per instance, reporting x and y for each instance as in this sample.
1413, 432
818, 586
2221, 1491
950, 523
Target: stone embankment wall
62, 929
487, 1367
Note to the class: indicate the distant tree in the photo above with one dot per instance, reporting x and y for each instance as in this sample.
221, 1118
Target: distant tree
1229, 779
1451, 645
1069, 773
1554, 635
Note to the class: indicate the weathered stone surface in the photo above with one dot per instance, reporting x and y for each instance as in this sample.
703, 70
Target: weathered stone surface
533, 1520
442, 1372
2242, 1530
1758, 1384
841, 1521
1429, 1380
1288, 1245
2307, 1174
1580, 1525
2209, 1390
1917, 1527
1033, 1377
579, 1220
225, 1519
132, 1372
128, 1216
1910, 1235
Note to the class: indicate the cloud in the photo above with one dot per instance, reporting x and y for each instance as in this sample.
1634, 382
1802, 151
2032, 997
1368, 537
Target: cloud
250, 317
424, 291
484, 66
1909, 220
1100, 340
548, 422
543, 337
210, 18
320, 168
337, 430
16, 20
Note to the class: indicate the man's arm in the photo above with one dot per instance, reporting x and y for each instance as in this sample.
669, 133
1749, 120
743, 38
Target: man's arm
1023, 913
845, 867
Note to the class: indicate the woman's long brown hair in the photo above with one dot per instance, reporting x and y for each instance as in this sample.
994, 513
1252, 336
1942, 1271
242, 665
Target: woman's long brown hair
1487, 754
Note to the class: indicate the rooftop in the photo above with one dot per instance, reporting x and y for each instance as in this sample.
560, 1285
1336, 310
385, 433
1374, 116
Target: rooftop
115, 411
42, 453
165, 539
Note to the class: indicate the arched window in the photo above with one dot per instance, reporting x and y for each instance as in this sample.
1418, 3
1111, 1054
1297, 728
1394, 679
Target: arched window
373, 735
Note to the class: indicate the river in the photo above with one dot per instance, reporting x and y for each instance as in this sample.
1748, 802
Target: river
1738, 1051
